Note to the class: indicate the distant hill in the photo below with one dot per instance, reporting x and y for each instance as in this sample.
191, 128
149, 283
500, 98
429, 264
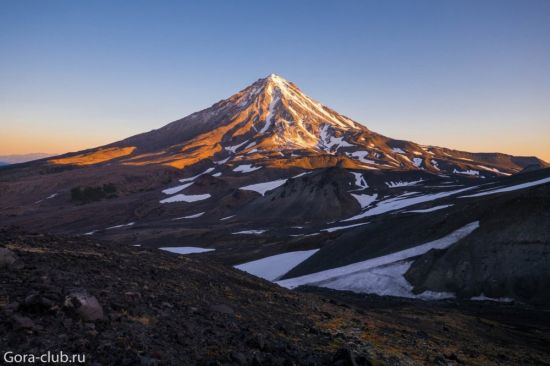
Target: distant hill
21, 158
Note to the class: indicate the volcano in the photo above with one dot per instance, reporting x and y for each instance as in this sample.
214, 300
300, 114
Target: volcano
270, 174
271, 123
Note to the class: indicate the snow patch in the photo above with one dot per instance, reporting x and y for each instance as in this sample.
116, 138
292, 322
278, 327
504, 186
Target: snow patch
246, 168
196, 176
494, 170
403, 201
300, 175
431, 209
252, 232
385, 280
365, 200
328, 142
361, 156
466, 172
185, 198
403, 184
336, 228
119, 226
186, 250
262, 188
482, 297
176, 189
510, 188
273, 267
189, 217
360, 180
274, 101
382, 275
233, 149
221, 162
48, 198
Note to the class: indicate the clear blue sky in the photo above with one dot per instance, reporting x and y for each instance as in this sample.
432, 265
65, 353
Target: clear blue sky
473, 75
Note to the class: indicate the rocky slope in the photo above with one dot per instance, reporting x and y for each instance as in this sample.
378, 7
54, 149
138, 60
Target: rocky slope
508, 257
404, 251
133, 306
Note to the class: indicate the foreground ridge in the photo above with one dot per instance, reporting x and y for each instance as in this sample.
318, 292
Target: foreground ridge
153, 308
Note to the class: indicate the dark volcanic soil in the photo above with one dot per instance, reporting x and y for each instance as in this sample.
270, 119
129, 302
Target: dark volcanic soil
468, 332
124, 305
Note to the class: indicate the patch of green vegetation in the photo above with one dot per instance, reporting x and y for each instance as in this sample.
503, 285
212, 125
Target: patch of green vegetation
83, 195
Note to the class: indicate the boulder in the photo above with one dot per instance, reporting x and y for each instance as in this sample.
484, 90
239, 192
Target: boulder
22, 322
84, 305
7, 258
223, 309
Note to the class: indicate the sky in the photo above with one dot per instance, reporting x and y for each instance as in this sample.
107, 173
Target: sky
471, 75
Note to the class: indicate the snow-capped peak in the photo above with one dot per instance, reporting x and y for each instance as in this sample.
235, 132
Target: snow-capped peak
272, 122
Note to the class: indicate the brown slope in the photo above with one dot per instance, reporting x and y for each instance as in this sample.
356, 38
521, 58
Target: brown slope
163, 309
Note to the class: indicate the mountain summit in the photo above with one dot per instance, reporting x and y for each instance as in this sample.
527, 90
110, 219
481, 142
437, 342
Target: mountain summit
273, 123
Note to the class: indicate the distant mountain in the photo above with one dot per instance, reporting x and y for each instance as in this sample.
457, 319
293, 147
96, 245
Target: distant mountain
21, 158
271, 175
271, 123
